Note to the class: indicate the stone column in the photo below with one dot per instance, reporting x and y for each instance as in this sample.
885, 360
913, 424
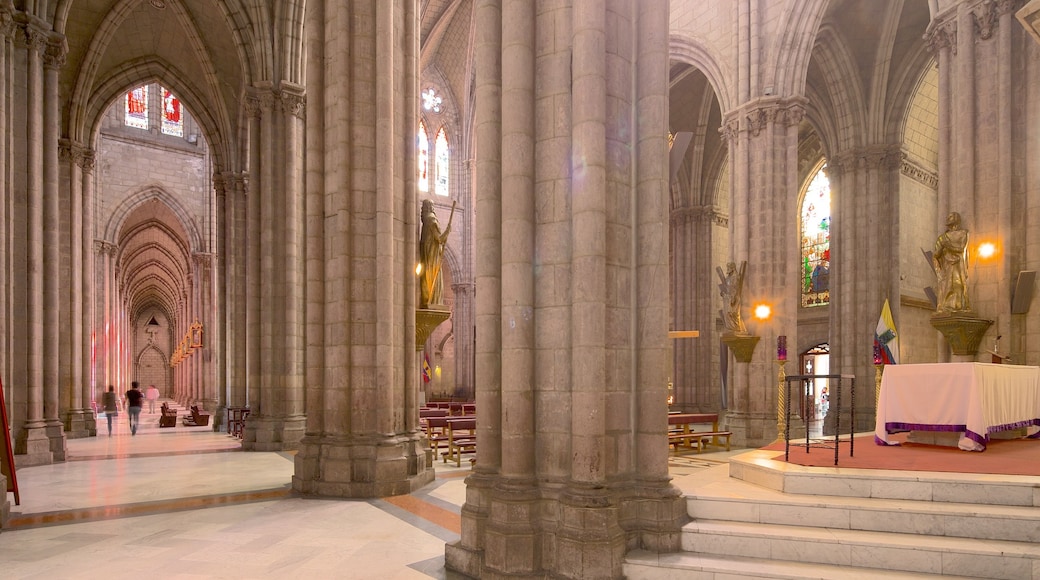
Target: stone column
864, 272
695, 306
276, 421
572, 291
91, 389
203, 358
235, 261
465, 336
55, 305
763, 138
77, 413
362, 435
978, 46
33, 441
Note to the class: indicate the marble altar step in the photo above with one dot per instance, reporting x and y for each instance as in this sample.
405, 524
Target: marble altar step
760, 518
642, 565
759, 468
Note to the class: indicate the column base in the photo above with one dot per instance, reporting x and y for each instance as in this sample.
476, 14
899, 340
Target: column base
33, 447
272, 434
76, 423
361, 466
5, 504
56, 434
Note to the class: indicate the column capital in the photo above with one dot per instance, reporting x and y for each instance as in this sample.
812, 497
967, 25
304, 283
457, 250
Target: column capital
756, 115
942, 35
55, 53
699, 214
103, 248
293, 102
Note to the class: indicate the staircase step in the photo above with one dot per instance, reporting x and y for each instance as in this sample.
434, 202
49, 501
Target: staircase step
719, 497
641, 565
758, 467
886, 551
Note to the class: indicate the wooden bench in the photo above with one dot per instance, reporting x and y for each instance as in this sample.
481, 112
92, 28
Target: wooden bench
682, 431
462, 438
436, 428
197, 418
168, 418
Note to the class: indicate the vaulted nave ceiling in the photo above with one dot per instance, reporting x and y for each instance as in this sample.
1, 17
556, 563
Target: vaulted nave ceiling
190, 47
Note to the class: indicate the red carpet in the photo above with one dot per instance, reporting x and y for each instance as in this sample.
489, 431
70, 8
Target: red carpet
1005, 457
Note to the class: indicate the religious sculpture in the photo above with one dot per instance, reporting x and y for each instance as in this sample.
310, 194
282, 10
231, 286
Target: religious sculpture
950, 261
431, 252
731, 288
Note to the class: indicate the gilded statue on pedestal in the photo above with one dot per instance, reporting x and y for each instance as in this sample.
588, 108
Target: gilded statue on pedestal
950, 260
732, 288
432, 242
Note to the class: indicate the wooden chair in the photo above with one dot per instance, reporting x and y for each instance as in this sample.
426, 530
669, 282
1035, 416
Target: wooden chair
168, 418
197, 418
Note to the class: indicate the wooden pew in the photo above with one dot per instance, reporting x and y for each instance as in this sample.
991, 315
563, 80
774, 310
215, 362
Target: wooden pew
168, 416
462, 438
682, 431
197, 418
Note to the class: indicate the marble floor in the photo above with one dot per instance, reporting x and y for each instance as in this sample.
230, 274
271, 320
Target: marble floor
188, 503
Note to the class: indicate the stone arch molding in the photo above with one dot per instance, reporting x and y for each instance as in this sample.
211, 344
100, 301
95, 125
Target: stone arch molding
85, 122
144, 351
146, 194
691, 52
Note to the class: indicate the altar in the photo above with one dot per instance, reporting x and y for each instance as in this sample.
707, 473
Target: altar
974, 399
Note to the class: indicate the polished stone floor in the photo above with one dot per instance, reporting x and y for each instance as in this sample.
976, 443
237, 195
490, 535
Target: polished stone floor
188, 503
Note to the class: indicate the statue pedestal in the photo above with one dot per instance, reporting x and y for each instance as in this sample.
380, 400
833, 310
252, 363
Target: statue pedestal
963, 331
743, 347
427, 319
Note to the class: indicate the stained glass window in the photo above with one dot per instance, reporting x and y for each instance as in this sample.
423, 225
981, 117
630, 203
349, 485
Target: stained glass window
443, 157
137, 108
172, 122
424, 159
816, 240
431, 102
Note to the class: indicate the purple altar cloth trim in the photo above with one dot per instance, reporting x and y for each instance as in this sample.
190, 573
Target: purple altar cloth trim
1015, 425
880, 441
898, 427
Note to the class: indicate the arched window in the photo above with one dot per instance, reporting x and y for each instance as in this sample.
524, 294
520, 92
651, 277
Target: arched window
424, 158
443, 157
172, 122
816, 240
136, 108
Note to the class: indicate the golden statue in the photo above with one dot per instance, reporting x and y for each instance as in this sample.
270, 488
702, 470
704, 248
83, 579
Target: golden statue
732, 288
431, 252
950, 261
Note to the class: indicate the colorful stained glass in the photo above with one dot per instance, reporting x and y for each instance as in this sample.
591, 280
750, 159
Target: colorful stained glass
136, 107
424, 158
172, 123
816, 241
443, 165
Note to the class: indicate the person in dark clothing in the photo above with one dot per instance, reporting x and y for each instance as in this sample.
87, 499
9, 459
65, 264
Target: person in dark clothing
110, 402
134, 397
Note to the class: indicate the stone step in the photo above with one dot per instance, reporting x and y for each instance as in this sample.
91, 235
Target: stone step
719, 497
882, 551
758, 467
641, 565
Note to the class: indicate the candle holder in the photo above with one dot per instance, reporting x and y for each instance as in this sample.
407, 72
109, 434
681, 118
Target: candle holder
781, 401
878, 369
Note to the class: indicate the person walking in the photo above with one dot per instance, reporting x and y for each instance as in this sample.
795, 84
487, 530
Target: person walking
152, 394
110, 402
133, 406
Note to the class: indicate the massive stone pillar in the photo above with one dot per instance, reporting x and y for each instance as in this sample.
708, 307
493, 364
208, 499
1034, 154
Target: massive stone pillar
363, 438
864, 271
464, 330
75, 394
32, 441
980, 49
276, 287
763, 137
695, 251
235, 253
572, 291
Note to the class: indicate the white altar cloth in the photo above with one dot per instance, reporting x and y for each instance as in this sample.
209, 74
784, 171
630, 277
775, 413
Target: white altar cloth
974, 399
